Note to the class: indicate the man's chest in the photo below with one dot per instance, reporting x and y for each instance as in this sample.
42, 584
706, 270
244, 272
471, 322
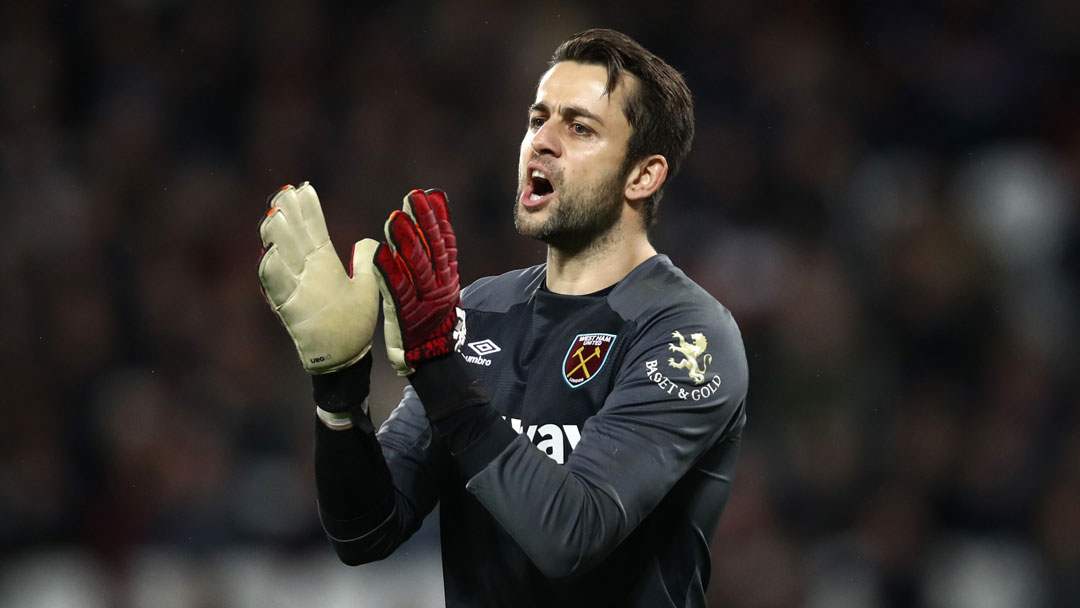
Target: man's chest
547, 371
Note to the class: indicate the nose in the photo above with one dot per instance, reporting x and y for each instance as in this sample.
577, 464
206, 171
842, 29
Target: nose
546, 139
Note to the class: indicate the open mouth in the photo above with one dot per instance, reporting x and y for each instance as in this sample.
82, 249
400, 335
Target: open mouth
538, 189
541, 186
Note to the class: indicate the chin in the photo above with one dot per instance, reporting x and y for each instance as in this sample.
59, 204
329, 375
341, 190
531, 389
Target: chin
524, 224
528, 223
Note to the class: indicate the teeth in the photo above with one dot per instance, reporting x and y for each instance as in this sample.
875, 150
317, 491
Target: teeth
538, 173
534, 197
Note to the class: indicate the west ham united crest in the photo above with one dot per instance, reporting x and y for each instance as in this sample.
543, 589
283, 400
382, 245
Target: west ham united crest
585, 358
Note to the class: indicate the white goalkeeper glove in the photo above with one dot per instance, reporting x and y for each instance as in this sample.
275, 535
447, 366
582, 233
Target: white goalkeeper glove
329, 314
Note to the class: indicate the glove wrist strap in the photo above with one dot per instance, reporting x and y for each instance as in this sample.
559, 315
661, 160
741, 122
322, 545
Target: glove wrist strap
338, 420
341, 392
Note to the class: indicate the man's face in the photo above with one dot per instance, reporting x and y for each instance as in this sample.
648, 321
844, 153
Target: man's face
570, 183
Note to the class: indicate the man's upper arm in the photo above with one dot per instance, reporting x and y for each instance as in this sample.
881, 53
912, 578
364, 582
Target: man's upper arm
672, 400
660, 419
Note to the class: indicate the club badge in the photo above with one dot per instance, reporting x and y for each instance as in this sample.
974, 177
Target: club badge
585, 357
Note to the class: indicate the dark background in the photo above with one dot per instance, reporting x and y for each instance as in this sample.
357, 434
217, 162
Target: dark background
884, 194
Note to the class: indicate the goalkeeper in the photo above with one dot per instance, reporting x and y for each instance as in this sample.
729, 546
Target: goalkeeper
578, 421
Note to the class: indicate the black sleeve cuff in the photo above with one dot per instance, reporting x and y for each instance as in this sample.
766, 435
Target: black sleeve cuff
445, 386
461, 413
345, 389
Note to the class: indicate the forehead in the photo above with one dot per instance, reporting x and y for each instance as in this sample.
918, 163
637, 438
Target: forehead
573, 84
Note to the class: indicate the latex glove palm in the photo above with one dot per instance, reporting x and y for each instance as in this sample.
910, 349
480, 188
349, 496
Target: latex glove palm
330, 314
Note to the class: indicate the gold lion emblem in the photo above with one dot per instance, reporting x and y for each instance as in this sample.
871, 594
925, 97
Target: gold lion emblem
692, 353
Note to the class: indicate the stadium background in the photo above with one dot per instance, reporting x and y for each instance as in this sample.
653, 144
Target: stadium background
884, 193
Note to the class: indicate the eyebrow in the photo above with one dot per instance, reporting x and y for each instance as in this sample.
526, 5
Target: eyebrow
568, 112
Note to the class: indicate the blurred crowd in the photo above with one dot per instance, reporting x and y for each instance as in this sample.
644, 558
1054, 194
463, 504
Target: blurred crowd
885, 194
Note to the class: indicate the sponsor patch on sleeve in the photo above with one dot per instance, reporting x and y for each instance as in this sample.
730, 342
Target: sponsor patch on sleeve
692, 358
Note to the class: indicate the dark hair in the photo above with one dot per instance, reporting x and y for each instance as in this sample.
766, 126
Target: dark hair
660, 111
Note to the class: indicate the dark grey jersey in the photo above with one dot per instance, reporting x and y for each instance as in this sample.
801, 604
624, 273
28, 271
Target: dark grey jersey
628, 407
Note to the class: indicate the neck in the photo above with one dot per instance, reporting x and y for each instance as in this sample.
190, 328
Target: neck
601, 264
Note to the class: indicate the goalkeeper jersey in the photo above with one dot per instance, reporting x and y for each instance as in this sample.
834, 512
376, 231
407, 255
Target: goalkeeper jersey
622, 414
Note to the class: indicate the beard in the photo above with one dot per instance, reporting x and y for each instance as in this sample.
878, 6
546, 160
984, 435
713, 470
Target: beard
582, 216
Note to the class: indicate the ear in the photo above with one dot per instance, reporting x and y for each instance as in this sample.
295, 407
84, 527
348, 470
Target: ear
646, 178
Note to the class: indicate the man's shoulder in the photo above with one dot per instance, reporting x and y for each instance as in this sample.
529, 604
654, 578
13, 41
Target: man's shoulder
498, 293
673, 314
657, 287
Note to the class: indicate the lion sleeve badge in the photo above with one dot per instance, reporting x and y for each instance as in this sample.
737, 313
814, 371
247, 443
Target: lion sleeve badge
695, 360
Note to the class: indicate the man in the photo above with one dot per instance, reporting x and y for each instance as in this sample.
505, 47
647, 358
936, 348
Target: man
582, 443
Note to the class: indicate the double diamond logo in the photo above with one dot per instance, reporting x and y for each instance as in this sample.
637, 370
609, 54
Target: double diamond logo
484, 347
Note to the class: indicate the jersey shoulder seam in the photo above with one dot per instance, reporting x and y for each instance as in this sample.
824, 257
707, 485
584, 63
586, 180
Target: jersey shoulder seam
498, 293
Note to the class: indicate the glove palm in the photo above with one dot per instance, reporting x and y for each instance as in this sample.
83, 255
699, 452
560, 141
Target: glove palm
330, 314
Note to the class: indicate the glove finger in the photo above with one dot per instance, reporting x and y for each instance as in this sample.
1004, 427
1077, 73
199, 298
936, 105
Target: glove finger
396, 283
277, 234
288, 202
278, 282
385, 265
420, 209
439, 204
441, 210
363, 255
271, 200
363, 281
407, 242
311, 212
406, 203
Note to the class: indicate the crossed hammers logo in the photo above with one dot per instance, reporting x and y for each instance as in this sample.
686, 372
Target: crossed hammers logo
582, 360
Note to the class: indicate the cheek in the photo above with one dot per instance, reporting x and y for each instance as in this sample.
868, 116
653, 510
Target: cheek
526, 147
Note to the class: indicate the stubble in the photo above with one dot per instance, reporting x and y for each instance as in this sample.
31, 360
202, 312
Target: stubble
582, 218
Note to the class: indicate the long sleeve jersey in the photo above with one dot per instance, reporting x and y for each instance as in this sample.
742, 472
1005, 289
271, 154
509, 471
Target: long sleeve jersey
602, 480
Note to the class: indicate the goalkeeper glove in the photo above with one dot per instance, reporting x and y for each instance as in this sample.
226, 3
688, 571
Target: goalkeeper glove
418, 278
424, 319
329, 314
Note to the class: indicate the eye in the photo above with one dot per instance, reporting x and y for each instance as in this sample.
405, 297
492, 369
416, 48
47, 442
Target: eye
580, 129
536, 122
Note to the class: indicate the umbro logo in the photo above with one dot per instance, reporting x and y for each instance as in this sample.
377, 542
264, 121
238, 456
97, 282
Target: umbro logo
481, 348
484, 347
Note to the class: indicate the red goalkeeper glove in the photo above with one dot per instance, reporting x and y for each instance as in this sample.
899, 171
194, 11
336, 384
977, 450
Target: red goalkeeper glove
418, 277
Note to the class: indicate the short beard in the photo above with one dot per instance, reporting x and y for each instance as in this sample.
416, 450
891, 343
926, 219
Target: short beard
582, 220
